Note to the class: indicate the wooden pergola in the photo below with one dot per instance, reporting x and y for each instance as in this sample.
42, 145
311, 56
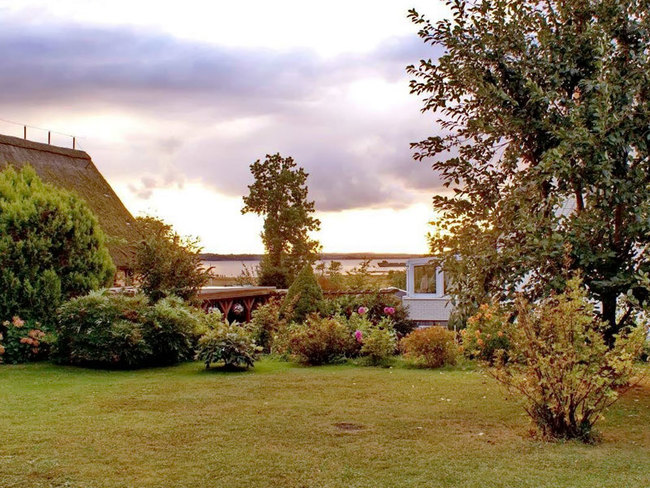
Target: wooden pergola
224, 297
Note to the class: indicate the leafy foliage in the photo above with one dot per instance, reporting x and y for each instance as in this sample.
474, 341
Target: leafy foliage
543, 109
397, 279
378, 342
230, 343
166, 263
321, 340
265, 324
330, 278
485, 334
431, 347
171, 330
303, 297
359, 278
562, 365
51, 247
279, 193
119, 331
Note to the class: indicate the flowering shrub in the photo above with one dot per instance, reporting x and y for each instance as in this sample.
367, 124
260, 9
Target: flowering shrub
22, 341
564, 370
321, 340
376, 307
431, 347
379, 342
119, 331
230, 343
485, 334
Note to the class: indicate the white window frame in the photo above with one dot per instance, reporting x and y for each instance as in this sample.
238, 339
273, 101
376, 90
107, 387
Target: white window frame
410, 275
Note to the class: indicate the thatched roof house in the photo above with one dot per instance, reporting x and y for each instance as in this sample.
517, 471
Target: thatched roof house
74, 170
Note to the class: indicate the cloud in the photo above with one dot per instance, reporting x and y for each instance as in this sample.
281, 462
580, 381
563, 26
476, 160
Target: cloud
204, 112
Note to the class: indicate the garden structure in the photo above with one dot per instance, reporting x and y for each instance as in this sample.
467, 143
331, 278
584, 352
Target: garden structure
228, 298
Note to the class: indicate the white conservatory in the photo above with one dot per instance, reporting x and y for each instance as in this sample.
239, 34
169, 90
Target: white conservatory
425, 293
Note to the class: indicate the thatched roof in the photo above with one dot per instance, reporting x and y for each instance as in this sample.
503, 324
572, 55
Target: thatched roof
74, 170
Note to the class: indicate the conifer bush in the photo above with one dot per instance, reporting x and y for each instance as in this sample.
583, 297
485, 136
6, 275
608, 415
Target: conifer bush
51, 247
303, 297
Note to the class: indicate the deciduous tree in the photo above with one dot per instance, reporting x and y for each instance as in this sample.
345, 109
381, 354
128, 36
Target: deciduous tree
166, 263
279, 193
544, 113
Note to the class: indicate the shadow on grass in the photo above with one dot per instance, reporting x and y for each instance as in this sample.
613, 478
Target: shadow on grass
227, 369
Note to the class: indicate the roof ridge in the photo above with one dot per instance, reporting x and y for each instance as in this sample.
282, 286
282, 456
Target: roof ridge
40, 146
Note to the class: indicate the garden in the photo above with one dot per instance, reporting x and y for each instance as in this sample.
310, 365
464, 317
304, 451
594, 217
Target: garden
124, 390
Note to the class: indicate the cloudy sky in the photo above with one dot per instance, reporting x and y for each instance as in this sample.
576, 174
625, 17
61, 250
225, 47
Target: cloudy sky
174, 101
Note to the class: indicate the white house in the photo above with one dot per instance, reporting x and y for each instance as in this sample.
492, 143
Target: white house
425, 293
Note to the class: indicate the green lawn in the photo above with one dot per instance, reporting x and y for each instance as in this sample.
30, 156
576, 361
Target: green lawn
287, 426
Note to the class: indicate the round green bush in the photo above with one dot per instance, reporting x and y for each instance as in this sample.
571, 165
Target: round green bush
431, 347
321, 341
110, 330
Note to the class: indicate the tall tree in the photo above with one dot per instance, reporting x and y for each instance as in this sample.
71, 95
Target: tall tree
279, 193
544, 115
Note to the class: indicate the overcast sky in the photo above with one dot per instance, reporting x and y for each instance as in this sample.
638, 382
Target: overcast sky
174, 101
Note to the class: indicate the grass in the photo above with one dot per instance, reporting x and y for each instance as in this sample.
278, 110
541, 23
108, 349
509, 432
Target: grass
286, 426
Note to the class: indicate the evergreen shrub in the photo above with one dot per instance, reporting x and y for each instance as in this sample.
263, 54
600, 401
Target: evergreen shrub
303, 297
51, 247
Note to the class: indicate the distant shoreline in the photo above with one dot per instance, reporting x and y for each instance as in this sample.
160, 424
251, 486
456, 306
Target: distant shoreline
325, 256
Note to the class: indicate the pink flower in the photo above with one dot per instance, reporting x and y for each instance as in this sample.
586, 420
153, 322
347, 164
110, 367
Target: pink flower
389, 310
358, 335
17, 321
362, 310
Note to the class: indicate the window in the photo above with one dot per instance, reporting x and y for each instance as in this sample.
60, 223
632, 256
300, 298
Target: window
424, 279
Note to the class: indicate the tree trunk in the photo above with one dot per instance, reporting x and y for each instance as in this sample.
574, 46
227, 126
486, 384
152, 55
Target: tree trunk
608, 315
